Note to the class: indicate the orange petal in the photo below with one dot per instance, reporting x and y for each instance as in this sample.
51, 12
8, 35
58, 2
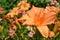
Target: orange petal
44, 31
28, 22
50, 18
52, 34
24, 17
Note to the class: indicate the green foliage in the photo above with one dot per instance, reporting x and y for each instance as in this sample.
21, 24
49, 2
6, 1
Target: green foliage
58, 1
39, 3
8, 4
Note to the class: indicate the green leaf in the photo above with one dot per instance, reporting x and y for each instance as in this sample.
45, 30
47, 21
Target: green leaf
42, 1
57, 34
5, 24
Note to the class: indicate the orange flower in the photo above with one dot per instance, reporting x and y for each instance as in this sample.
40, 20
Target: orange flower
40, 18
52, 34
13, 12
52, 8
24, 5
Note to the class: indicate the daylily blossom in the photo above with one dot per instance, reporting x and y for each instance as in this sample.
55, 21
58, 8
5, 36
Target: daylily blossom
24, 5
40, 18
52, 9
13, 12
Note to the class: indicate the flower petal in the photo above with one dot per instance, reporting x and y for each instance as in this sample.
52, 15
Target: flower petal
24, 17
44, 31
